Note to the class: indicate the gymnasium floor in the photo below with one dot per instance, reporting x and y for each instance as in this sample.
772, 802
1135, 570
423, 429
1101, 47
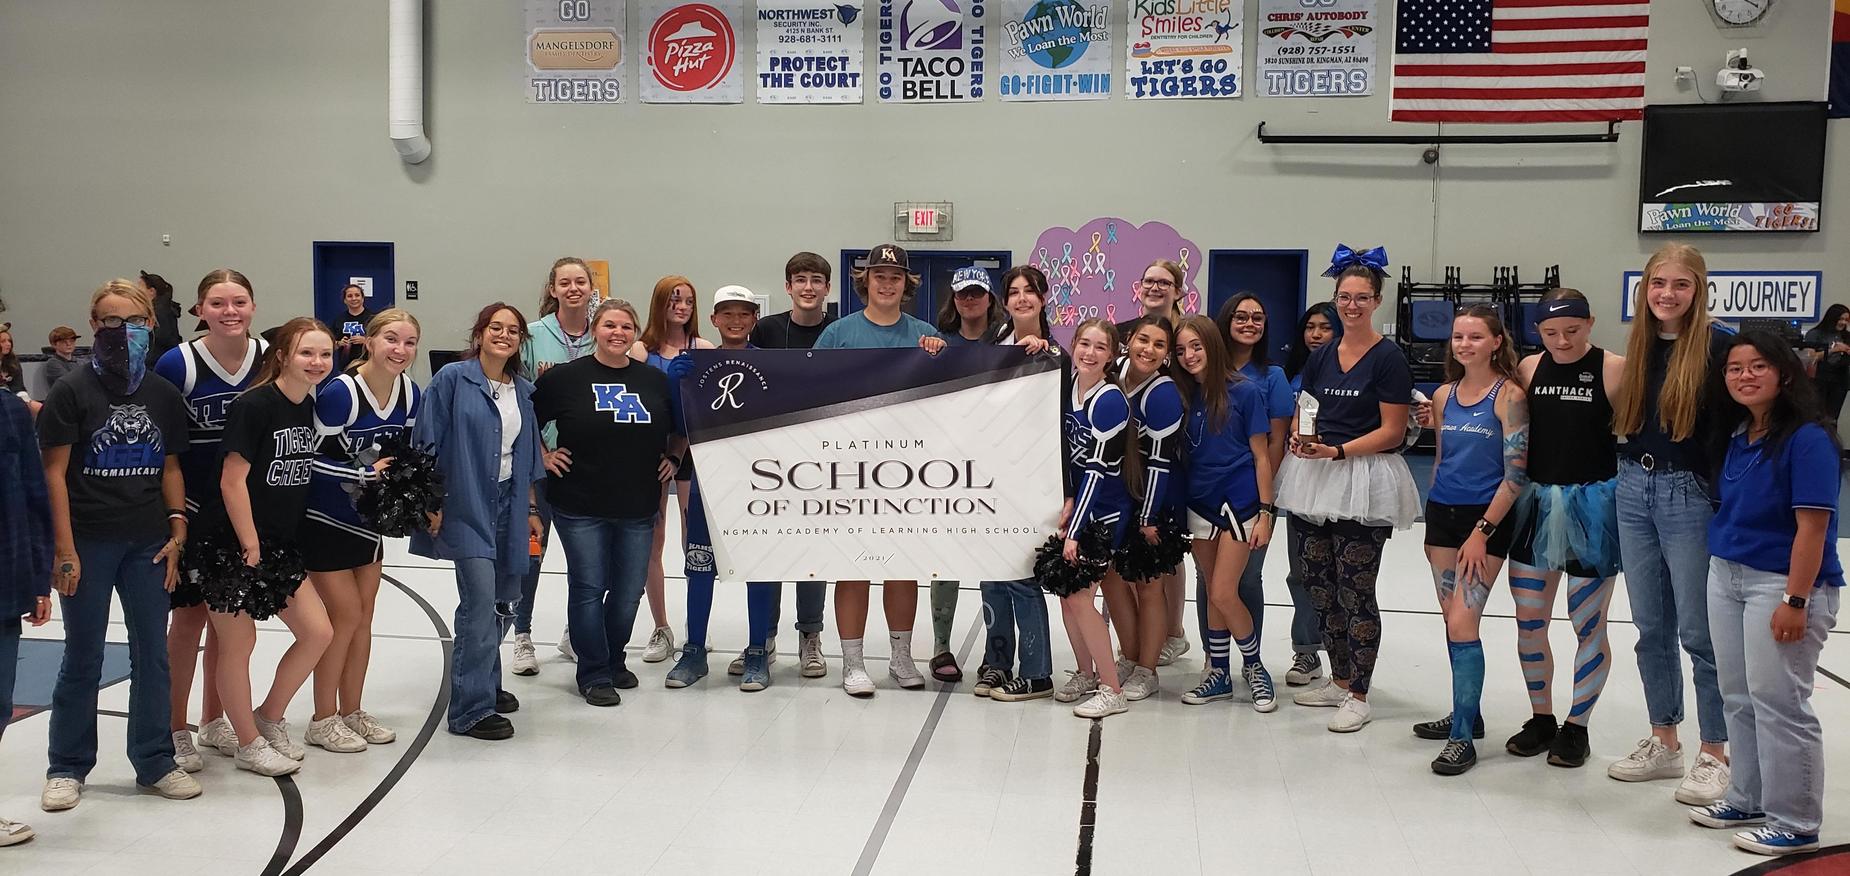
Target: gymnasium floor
803, 779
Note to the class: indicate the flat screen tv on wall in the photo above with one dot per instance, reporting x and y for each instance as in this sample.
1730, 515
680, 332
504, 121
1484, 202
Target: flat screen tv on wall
1751, 167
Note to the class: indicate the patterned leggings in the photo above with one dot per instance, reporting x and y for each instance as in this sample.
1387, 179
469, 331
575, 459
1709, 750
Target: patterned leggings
1343, 557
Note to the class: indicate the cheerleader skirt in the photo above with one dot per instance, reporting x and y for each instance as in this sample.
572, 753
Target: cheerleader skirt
1375, 489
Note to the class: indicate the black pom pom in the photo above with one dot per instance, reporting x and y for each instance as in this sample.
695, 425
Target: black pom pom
1061, 578
401, 500
1139, 560
214, 565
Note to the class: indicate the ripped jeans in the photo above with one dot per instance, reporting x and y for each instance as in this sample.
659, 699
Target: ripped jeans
488, 593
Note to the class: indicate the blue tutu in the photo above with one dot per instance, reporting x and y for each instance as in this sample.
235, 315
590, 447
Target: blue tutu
1571, 526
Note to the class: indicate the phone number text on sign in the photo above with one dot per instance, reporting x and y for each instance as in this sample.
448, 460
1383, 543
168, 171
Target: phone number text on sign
1316, 48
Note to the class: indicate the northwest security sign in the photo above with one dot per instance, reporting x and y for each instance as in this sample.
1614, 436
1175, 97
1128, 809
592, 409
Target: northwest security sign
809, 52
876, 465
1735, 295
1055, 50
932, 51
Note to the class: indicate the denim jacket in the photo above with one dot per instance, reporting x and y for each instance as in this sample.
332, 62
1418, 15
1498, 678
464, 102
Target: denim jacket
25, 518
460, 424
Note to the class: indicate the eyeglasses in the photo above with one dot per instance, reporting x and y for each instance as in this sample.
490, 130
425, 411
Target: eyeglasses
1147, 283
970, 292
1243, 317
1752, 369
1354, 299
116, 322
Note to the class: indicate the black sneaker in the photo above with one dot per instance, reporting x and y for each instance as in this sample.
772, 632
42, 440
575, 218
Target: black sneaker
1458, 756
1019, 689
1442, 728
1534, 738
506, 703
989, 678
623, 678
492, 727
1570, 746
603, 695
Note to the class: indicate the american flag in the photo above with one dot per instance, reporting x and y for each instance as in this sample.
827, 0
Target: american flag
1519, 60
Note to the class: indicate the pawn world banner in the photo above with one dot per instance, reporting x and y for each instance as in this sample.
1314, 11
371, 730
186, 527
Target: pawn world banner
846, 465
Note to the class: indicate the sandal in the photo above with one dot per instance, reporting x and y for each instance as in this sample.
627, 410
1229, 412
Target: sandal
944, 668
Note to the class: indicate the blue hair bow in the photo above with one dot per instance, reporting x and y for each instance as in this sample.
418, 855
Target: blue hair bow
1375, 259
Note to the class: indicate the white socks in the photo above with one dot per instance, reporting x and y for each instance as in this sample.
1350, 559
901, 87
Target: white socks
902, 646
851, 655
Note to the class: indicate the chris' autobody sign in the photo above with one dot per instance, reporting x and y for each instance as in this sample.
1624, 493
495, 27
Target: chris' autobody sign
875, 464
1737, 295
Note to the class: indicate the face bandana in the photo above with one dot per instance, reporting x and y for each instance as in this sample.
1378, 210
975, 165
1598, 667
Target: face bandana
120, 357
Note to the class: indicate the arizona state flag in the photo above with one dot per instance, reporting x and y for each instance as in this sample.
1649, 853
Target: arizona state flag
1840, 61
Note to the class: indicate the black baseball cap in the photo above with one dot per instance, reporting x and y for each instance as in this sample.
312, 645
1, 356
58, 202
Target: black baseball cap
887, 255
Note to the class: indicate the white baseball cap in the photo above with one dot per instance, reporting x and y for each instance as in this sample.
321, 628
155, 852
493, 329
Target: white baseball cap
729, 294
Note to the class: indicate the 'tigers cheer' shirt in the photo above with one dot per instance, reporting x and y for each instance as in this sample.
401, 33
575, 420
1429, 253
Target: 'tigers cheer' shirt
278, 438
615, 422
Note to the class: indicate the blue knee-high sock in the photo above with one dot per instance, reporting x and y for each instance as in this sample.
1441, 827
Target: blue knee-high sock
699, 607
761, 611
1249, 649
1218, 646
1467, 685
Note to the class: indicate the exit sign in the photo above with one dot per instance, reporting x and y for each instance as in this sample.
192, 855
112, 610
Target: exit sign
922, 220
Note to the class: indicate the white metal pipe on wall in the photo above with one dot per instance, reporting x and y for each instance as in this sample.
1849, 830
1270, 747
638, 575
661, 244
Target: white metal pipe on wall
405, 80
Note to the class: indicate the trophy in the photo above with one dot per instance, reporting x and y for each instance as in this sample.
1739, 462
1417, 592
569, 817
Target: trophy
1307, 418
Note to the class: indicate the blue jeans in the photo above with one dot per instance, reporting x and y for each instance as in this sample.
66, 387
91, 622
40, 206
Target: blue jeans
127, 568
1015, 618
10, 629
1778, 757
810, 597
1306, 626
530, 583
1664, 544
488, 593
606, 560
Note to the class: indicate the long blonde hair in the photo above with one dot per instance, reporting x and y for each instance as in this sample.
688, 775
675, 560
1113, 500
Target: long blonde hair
377, 325
1686, 378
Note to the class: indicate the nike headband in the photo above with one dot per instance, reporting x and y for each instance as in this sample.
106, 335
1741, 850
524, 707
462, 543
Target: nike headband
1562, 307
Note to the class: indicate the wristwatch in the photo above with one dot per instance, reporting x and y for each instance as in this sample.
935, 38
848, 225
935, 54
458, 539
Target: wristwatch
1486, 527
1796, 601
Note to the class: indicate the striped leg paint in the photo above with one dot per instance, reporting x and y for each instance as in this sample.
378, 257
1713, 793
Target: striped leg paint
1534, 592
1587, 602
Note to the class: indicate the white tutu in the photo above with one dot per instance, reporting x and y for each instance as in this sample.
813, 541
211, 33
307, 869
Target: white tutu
1375, 489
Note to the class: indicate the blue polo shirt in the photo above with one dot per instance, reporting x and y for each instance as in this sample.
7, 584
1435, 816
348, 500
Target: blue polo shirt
1281, 398
1762, 486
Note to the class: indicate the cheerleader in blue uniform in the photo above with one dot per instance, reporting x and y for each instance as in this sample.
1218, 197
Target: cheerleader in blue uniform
374, 402
210, 371
1097, 429
1229, 502
1140, 608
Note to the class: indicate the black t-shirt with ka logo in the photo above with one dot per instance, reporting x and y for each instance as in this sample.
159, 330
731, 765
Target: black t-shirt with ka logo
277, 437
616, 423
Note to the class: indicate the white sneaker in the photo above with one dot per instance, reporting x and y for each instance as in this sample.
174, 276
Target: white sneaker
176, 785
1077, 684
185, 756
260, 758
1104, 703
661, 644
368, 728
1173, 647
333, 734
1651, 760
1351, 716
1125, 666
1706, 783
904, 673
565, 646
856, 681
277, 734
13, 833
1140, 685
1325, 695
810, 653
525, 661
217, 735
61, 793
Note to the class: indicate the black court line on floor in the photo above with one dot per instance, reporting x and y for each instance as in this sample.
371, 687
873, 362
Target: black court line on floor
1088, 801
412, 751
